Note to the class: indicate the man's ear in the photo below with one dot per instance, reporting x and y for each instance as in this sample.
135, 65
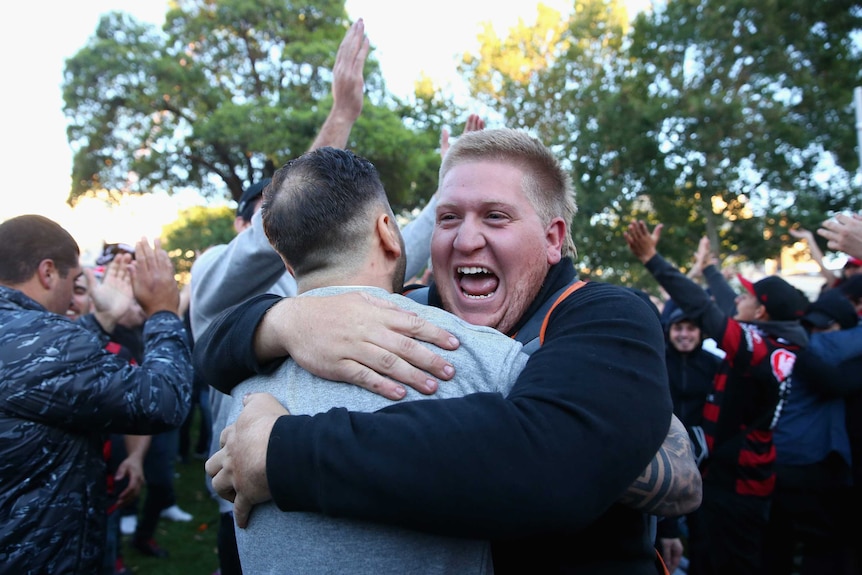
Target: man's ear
387, 231
239, 224
760, 314
555, 236
48, 273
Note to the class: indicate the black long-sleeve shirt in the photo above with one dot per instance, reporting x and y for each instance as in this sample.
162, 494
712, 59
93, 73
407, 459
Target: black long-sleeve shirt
539, 471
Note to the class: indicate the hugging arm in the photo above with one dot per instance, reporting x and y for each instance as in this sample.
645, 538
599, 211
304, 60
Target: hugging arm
485, 451
671, 484
252, 337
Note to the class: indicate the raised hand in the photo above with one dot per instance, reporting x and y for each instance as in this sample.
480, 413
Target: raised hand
348, 82
348, 86
113, 296
802, 234
474, 123
844, 233
153, 278
702, 257
641, 241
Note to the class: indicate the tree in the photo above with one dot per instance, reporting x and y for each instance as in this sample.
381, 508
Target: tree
714, 117
755, 111
193, 232
225, 93
569, 82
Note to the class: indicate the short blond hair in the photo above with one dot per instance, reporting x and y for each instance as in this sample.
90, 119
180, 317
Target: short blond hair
547, 185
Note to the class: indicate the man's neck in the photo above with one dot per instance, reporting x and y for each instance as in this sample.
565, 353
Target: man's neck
366, 280
32, 290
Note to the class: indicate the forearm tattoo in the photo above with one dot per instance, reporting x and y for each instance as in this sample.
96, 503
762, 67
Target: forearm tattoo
671, 484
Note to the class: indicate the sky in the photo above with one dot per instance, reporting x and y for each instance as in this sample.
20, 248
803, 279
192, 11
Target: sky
35, 155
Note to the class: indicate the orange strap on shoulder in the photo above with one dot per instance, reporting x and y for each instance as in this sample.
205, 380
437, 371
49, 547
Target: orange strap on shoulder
659, 563
571, 289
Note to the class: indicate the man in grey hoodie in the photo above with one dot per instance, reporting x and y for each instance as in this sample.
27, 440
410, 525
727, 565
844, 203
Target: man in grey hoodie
349, 241
228, 274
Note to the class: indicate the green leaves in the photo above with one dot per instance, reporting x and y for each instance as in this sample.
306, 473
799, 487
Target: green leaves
228, 91
725, 118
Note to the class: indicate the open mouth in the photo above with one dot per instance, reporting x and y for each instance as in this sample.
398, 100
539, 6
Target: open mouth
477, 282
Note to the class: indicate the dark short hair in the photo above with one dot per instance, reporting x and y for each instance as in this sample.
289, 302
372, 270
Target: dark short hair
25, 241
315, 211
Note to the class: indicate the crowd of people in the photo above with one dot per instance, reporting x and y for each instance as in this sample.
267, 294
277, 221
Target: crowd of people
502, 416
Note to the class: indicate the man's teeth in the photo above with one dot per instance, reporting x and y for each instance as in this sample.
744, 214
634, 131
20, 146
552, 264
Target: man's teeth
473, 270
470, 270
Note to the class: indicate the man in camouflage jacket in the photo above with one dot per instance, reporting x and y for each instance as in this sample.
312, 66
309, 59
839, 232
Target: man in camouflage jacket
62, 392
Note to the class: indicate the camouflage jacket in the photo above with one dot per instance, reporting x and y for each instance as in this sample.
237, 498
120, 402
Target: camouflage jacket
62, 392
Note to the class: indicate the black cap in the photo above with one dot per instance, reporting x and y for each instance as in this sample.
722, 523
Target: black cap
678, 315
852, 287
783, 302
831, 307
245, 207
110, 251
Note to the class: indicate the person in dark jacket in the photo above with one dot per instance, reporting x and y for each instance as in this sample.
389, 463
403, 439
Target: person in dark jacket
761, 341
63, 392
691, 370
540, 471
807, 531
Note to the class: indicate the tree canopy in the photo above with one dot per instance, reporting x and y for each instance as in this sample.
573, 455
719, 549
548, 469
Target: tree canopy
222, 95
195, 230
731, 119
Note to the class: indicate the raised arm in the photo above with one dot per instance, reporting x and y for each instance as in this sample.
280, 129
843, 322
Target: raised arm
417, 234
248, 266
702, 258
376, 345
844, 233
807, 236
348, 84
112, 297
687, 294
722, 293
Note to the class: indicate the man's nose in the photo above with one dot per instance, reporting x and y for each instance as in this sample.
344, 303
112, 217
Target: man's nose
470, 236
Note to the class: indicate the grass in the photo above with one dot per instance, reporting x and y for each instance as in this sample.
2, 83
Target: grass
192, 545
